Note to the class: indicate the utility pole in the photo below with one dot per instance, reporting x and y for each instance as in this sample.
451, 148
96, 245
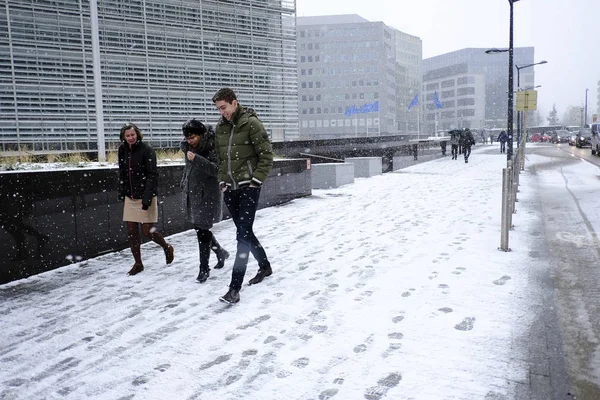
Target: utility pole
585, 120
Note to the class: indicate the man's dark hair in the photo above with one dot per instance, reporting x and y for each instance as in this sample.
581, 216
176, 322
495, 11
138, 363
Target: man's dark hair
193, 127
224, 94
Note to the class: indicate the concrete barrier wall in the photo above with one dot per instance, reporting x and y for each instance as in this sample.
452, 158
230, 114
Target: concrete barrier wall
366, 167
51, 218
332, 175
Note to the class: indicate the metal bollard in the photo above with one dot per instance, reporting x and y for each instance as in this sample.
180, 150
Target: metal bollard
504, 224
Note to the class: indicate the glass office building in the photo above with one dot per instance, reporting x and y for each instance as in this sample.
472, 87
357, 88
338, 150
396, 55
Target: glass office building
471, 88
160, 62
356, 77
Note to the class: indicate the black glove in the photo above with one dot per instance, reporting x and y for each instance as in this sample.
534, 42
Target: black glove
145, 207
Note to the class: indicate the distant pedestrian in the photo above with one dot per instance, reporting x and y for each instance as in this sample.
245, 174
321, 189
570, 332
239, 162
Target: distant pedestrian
502, 138
202, 197
138, 181
245, 160
443, 146
415, 151
454, 140
467, 140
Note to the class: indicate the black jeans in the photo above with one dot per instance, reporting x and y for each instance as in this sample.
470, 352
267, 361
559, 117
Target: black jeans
242, 205
502, 147
467, 152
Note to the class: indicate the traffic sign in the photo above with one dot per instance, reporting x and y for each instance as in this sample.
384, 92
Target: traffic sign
527, 100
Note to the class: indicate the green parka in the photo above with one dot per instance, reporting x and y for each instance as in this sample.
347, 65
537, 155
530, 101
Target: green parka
245, 152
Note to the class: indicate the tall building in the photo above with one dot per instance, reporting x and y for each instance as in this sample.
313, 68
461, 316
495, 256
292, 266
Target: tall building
356, 77
471, 87
160, 62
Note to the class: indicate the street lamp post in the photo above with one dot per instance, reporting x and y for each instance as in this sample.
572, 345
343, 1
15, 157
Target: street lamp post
585, 120
519, 119
509, 150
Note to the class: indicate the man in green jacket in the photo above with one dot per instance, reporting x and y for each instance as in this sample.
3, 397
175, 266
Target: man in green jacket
245, 159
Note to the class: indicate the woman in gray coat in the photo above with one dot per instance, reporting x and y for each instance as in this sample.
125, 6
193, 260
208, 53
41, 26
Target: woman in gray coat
202, 199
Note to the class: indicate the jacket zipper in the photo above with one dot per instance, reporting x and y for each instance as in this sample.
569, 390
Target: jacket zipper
229, 171
129, 172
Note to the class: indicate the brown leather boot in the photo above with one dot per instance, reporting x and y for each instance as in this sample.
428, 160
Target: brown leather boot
169, 254
137, 268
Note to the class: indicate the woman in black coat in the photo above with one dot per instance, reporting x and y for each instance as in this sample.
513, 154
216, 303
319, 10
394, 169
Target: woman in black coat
202, 198
138, 181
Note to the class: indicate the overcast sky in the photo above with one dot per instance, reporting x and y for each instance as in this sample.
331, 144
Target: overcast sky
565, 33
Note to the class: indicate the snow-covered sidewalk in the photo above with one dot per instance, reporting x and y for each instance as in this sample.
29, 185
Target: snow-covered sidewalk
391, 287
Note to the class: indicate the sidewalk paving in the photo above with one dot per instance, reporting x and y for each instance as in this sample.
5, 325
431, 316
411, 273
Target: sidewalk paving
392, 287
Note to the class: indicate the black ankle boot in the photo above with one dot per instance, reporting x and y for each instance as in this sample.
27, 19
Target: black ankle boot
220, 252
231, 297
262, 273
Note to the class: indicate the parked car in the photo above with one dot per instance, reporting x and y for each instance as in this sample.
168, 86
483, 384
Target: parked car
546, 138
536, 137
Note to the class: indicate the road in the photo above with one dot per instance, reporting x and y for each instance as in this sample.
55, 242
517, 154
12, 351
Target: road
567, 186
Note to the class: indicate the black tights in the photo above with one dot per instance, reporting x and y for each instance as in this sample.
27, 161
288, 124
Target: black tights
133, 235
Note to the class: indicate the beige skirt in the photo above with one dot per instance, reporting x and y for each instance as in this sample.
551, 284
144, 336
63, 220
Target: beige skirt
132, 211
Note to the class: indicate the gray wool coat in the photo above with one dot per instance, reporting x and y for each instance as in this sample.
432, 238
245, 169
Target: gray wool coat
202, 199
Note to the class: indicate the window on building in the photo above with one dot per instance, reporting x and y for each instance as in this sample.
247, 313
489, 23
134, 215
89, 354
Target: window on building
448, 83
432, 86
470, 101
469, 112
318, 97
302, 58
303, 97
465, 91
311, 110
318, 84
311, 98
310, 84
303, 85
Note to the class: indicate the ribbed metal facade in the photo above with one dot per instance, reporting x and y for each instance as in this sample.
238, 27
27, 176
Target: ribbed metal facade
161, 62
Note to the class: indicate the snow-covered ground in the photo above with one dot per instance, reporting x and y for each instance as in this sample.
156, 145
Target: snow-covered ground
391, 287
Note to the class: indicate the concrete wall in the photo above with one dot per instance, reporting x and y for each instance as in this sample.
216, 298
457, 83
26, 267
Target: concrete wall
49, 218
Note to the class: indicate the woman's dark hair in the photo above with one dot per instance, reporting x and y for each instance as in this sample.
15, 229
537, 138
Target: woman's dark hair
193, 127
224, 94
127, 127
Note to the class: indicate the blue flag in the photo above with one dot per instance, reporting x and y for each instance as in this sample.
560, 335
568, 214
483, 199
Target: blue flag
366, 108
436, 101
414, 102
